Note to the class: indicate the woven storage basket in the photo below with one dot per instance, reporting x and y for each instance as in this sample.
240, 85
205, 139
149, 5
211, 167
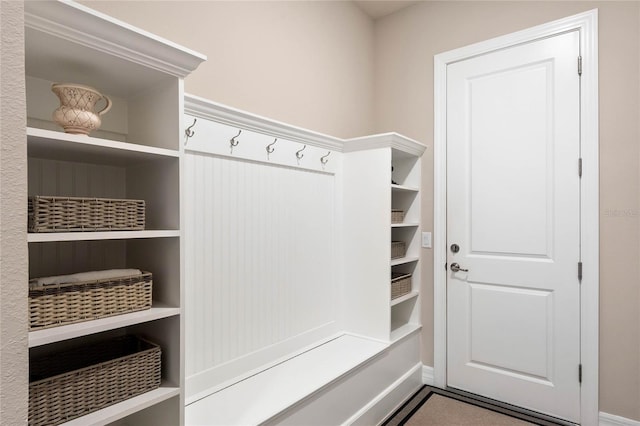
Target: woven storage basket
69, 214
72, 383
398, 249
400, 284
59, 304
397, 216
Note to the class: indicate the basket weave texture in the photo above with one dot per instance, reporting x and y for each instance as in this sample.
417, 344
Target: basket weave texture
59, 304
400, 284
76, 214
73, 383
397, 216
398, 249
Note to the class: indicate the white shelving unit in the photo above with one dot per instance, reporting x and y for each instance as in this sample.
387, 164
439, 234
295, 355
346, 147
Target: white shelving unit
136, 154
371, 191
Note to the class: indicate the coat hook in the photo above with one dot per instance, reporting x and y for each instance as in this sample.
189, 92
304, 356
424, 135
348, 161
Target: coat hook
270, 147
299, 154
233, 141
324, 159
188, 132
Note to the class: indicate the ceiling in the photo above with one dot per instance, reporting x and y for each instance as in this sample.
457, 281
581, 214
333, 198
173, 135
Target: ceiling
377, 9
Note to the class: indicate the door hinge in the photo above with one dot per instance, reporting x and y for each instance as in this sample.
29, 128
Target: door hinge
579, 271
580, 167
579, 65
580, 373
445, 266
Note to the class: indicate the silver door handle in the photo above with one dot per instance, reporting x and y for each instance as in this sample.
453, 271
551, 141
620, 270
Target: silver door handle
456, 268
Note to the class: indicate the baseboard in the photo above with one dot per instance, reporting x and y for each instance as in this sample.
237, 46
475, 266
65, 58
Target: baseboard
427, 375
606, 419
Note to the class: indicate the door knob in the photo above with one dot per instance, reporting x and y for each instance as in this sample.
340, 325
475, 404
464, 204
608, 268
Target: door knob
456, 268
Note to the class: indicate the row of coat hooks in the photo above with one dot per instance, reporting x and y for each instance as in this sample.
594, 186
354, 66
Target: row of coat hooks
233, 142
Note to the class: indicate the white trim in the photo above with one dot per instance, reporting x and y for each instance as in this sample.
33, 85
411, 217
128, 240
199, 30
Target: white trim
72, 21
209, 110
607, 419
427, 376
587, 24
385, 140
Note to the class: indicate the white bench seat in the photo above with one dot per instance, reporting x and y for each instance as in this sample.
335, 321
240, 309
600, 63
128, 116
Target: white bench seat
267, 394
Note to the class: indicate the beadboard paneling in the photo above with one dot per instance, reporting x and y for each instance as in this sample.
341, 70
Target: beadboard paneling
260, 259
71, 179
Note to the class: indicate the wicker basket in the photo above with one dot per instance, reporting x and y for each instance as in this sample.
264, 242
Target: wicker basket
398, 249
73, 383
69, 214
400, 284
59, 304
397, 216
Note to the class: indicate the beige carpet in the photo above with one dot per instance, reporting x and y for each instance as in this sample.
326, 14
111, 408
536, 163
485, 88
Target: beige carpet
442, 411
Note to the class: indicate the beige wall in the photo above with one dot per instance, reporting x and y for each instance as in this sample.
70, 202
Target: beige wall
324, 65
306, 63
405, 45
14, 370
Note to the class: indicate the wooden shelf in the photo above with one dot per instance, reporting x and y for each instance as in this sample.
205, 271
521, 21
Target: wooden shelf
122, 409
404, 225
403, 188
54, 145
70, 331
403, 330
404, 298
45, 237
404, 260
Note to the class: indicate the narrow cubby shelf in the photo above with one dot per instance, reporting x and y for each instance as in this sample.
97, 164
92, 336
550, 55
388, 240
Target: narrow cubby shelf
404, 298
404, 188
70, 331
122, 409
405, 225
398, 331
100, 235
404, 260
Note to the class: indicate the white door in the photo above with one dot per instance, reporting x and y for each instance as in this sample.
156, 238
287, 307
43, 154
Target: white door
513, 194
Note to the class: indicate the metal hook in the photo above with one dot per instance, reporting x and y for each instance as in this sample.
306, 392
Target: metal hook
323, 159
188, 132
233, 142
299, 154
270, 147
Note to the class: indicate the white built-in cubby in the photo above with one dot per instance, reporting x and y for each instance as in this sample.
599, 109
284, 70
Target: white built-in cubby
288, 271
382, 173
136, 154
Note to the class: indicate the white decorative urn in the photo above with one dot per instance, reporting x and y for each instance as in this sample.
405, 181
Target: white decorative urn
76, 111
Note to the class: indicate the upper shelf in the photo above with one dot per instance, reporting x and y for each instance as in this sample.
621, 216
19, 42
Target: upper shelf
403, 188
46, 237
67, 42
67, 147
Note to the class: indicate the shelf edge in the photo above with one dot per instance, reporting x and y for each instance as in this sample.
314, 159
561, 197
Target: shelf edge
404, 298
83, 140
125, 408
45, 237
70, 331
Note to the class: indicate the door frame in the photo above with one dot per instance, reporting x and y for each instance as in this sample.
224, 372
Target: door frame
587, 25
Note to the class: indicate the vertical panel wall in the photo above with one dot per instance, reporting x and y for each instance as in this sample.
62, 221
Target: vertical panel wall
261, 253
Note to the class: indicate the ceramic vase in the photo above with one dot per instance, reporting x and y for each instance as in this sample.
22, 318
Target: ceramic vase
76, 112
